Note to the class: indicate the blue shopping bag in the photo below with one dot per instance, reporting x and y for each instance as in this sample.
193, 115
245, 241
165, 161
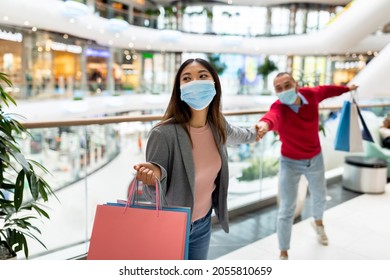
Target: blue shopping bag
341, 142
349, 136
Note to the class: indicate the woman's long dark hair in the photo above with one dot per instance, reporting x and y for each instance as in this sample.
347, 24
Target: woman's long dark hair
179, 112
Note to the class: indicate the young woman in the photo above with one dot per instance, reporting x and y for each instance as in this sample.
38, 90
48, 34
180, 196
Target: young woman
187, 151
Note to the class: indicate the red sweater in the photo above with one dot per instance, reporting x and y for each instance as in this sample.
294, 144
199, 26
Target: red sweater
299, 131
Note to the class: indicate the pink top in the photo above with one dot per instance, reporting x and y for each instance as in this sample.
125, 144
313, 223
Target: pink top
207, 162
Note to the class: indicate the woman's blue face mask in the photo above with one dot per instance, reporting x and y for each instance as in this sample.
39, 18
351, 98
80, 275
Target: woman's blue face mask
288, 97
198, 94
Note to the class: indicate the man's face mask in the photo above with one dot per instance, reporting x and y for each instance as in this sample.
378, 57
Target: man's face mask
198, 94
288, 97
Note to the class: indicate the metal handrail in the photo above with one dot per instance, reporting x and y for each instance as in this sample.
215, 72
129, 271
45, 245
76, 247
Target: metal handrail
152, 117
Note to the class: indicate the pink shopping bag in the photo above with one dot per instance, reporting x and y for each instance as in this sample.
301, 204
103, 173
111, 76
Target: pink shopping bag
139, 232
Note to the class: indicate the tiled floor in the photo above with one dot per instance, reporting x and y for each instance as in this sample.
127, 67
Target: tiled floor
358, 227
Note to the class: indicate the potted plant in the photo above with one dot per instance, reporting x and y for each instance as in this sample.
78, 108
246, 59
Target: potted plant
265, 69
22, 189
215, 61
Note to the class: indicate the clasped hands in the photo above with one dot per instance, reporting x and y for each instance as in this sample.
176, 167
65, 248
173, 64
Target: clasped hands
261, 129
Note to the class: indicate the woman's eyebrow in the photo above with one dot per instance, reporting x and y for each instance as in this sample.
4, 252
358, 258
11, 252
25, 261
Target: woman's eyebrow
184, 75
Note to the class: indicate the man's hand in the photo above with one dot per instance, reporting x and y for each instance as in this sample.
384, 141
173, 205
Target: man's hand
353, 87
147, 173
261, 128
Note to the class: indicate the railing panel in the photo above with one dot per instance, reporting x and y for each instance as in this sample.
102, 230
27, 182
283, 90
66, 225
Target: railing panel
91, 162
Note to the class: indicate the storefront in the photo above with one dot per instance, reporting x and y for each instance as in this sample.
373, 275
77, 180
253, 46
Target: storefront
66, 67
127, 70
97, 68
11, 57
39, 63
346, 69
311, 70
55, 64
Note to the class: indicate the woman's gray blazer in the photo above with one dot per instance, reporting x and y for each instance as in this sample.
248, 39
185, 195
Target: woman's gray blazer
170, 148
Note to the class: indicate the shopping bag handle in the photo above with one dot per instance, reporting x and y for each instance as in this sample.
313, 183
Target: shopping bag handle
132, 194
353, 96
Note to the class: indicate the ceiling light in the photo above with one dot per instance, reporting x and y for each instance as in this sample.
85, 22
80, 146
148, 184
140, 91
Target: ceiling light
74, 9
169, 35
117, 25
231, 40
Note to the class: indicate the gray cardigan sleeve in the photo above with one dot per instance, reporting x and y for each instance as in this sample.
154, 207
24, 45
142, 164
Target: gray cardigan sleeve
238, 135
157, 152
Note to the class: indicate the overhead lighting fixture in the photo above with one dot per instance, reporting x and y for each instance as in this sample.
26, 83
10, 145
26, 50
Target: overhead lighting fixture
74, 9
169, 35
117, 25
232, 41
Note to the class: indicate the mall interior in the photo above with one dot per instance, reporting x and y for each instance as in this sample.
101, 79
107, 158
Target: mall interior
92, 77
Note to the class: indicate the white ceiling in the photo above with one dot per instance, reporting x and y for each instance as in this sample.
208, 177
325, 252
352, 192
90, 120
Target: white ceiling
254, 2
352, 32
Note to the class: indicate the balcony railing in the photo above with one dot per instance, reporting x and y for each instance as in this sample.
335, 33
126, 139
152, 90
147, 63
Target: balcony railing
91, 162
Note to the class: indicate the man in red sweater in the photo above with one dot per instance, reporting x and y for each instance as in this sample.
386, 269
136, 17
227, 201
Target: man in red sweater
295, 117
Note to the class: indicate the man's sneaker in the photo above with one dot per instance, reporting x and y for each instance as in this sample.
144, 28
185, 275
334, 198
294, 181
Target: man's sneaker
283, 257
321, 235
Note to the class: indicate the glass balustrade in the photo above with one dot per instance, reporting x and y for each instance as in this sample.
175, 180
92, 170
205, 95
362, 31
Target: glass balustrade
93, 164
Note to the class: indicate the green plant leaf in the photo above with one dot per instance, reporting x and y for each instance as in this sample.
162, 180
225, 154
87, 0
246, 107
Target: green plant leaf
267, 67
22, 160
33, 184
39, 166
42, 190
1, 172
16, 211
19, 187
41, 211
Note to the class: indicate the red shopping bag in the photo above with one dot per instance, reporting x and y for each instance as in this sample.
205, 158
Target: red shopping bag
139, 232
